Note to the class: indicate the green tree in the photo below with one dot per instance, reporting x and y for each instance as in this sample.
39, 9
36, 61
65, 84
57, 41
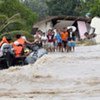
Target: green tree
90, 6
11, 7
62, 7
8, 24
38, 6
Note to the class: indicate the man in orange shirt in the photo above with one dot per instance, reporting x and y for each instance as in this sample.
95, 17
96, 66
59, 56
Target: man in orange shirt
64, 36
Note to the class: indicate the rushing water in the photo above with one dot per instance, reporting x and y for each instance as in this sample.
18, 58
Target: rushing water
56, 76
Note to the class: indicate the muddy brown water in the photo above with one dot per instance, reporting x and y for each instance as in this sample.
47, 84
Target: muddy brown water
56, 76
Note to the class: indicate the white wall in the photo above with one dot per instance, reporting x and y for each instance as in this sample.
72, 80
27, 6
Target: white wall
96, 24
82, 28
44, 26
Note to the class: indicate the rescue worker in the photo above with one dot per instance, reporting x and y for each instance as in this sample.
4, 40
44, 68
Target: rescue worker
6, 51
5, 42
20, 45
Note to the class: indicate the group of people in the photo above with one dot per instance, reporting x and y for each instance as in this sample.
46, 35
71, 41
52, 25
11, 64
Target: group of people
53, 40
89, 36
17, 47
57, 40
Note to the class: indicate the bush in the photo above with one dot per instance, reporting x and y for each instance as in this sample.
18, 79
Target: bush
86, 42
13, 34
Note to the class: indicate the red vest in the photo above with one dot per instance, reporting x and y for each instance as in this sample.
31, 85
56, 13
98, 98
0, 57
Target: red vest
21, 41
19, 49
4, 40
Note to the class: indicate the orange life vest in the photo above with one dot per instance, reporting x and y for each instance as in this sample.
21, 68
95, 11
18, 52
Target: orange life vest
21, 41
18, 49
4, 40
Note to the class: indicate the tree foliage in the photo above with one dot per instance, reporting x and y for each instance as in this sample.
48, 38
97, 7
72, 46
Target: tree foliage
38, 6
12, 35
89, 6
74, 7
62, 7
12, 7
8, 24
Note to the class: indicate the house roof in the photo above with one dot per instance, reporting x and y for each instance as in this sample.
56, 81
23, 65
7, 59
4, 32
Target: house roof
63, 23
55, 18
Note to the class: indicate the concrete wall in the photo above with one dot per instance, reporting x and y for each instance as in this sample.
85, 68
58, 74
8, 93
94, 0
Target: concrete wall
95, 23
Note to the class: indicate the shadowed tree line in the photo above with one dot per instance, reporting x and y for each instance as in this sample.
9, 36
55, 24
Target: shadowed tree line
64, 7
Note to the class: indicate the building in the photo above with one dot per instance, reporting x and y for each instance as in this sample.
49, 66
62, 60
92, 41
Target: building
82, 24
95, 28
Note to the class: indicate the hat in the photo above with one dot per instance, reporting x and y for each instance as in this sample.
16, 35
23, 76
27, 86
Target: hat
72, 27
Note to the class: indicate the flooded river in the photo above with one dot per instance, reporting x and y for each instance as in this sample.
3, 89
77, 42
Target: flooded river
55, 76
